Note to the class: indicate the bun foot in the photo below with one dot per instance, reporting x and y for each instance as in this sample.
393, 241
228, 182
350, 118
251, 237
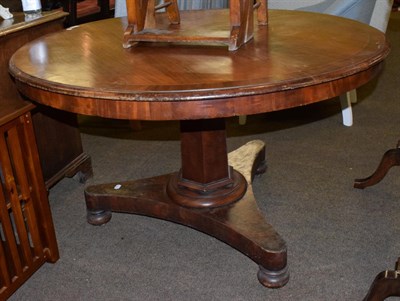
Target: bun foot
98, 217
273, 279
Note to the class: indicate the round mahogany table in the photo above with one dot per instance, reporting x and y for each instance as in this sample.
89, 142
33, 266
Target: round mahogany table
298, 59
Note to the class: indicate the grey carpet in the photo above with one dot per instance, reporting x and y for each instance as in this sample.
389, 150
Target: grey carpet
338, 237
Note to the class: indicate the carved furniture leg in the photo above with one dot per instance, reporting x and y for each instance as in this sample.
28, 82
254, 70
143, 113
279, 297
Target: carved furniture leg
207, 195
386, 284
390, 158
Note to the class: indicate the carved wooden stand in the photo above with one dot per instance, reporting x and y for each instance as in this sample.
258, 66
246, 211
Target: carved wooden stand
386, 284
144, 26
207, 194
390, 158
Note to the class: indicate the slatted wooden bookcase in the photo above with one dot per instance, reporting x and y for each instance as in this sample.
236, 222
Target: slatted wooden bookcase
26, 228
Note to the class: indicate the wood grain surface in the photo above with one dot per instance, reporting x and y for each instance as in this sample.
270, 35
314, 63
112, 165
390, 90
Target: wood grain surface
299, 58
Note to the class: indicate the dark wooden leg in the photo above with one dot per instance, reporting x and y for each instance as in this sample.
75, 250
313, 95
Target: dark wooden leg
104, 8
386, 284
390, 158
207, 194
71, 7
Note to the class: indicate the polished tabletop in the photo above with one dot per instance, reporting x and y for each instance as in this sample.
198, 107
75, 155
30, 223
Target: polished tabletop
299, 58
